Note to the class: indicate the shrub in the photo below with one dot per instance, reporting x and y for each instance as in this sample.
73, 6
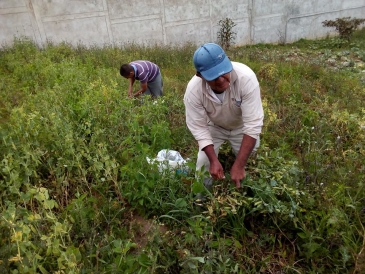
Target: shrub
345, 26
226, 35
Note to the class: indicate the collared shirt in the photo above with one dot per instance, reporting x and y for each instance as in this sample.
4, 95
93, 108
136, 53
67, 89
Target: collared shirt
241, 107
145, 71
219, 98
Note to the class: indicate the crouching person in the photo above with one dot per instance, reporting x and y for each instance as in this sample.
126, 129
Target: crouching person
223, 103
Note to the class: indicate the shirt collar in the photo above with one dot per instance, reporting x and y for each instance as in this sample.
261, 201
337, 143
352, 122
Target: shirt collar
135, 69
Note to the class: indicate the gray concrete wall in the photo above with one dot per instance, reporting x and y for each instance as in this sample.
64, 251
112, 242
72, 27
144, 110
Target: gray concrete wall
169, 22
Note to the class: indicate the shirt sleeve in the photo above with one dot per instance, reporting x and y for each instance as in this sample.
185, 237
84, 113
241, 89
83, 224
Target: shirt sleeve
143, 71
143, 77
196, 118
252, 112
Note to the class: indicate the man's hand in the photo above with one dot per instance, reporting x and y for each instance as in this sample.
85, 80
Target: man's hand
238, 173
142, 90
137, 94
130, 88
216, 169
130, 92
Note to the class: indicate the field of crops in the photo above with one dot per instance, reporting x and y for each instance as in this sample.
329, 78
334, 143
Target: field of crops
78, 196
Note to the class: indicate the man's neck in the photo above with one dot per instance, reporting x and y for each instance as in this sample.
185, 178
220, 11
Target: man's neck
218, 92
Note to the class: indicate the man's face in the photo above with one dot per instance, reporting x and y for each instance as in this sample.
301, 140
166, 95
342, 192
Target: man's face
221, 83
130, 75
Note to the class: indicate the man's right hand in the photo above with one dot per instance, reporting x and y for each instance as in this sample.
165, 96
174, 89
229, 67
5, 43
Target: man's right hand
130, 93
216, 169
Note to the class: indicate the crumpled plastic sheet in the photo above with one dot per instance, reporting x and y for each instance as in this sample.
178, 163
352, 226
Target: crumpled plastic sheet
170, 160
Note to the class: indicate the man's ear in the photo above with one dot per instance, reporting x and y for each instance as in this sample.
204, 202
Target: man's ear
131, 74
198, 74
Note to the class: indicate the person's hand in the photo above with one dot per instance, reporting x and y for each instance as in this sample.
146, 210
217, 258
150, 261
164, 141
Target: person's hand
238, 173
216, 170
130, 92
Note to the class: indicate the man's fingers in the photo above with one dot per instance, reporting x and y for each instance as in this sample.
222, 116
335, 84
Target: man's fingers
219, 176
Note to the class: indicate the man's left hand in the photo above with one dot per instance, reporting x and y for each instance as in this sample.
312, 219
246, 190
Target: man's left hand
238, 173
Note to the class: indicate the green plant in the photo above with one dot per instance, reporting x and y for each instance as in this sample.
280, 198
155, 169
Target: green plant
225, 34
78, 196
345, 26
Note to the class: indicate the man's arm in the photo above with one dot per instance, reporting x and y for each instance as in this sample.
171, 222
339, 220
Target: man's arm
252, 116
143, 89
216, 169
196, 116
130, 88
238, 169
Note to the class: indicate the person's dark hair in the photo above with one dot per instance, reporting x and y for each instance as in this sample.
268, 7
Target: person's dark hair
125, 69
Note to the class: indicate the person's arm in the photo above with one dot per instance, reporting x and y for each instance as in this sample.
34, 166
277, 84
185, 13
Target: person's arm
252, 116
196, 116
238, 172
216, 169
196, 120
130, 88
142, 90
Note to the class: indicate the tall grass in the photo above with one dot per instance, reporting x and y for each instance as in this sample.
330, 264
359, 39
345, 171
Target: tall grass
78, 196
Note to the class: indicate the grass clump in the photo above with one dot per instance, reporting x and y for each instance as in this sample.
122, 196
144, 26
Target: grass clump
78, 196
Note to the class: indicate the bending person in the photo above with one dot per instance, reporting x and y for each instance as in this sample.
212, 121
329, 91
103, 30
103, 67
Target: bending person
147, 73
223, 103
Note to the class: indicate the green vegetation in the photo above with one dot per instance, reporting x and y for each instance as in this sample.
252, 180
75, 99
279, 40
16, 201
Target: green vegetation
225, 34
345, 26
78, 196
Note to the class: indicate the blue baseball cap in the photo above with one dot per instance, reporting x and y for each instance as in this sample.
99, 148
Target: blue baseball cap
211, 61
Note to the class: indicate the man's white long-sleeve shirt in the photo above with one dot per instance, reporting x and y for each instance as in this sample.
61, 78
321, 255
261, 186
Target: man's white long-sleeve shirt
241, 108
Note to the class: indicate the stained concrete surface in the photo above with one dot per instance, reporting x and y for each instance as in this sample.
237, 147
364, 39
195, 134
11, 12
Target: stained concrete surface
169, 22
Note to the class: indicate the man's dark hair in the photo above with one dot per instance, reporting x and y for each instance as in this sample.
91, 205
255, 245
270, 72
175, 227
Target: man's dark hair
125, 69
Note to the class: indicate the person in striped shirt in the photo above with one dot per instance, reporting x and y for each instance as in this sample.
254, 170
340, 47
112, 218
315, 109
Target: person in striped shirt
147, 73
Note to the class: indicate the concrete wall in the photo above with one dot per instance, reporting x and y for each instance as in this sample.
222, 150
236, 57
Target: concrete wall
169, 22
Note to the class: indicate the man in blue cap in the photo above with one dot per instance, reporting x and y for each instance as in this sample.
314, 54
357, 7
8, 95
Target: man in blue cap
223, 103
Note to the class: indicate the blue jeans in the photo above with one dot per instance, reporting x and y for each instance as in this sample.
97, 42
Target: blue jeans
155, 88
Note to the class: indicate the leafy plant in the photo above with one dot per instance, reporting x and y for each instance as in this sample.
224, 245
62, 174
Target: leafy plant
225, 34
78, 196
345, 26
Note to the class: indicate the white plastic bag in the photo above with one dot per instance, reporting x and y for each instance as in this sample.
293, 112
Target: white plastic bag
170, 160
